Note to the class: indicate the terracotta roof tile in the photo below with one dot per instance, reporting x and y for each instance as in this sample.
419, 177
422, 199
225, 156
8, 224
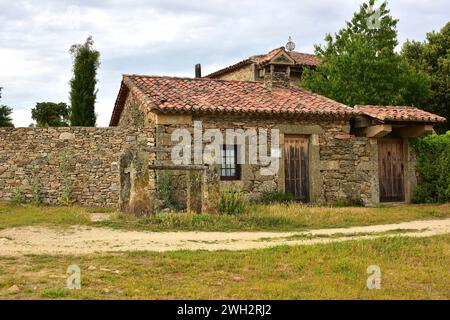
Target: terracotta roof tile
169, 94
303, 59
399, 113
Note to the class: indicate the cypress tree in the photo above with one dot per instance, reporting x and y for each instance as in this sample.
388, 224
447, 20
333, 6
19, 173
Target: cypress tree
83, 92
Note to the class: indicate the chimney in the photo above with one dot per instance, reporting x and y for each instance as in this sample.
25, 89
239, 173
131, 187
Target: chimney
198, 70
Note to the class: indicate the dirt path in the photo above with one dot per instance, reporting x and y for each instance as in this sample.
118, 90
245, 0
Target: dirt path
86, 240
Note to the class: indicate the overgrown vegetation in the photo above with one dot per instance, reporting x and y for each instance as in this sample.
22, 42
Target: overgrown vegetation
18, 197
292, 217
272, 197
433, 165
352, 202
37, 198
327, 271
66, 197
233, 202
166, 191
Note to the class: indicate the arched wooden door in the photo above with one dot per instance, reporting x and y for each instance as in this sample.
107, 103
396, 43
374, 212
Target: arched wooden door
296, 166
391, 170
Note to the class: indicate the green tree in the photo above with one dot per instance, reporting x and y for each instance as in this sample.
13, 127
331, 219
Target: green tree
50, 114
360, 65
83, 92
5, 114
433, 58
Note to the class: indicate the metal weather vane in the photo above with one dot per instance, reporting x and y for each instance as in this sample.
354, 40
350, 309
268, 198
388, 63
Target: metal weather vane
290, 46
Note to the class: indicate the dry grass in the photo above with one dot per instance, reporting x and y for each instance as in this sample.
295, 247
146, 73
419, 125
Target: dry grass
411, 269
261, 217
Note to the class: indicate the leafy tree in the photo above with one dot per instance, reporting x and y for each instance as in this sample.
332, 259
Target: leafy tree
83, 91
5, 114
50, 114
360, 65
433, 57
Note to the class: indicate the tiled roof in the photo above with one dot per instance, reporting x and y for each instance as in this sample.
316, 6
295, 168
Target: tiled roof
177, 95
396, 113
266, 58
303, 59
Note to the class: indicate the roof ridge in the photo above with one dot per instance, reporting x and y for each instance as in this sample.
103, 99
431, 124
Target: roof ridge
189, 78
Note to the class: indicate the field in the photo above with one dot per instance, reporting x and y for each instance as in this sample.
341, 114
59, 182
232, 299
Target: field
411, 268
292, 217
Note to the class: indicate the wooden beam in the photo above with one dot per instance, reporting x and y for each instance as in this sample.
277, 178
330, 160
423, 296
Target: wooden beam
378, 131
414, 131
362, 122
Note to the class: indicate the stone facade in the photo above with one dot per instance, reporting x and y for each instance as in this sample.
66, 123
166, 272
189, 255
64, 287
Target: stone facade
33, 156
342, 166
251, 73
245, 73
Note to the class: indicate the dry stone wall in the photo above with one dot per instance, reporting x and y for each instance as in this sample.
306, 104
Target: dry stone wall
30, 156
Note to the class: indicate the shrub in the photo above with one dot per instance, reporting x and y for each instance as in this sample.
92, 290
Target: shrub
36, 193
66, 186
276, 197
18, 197
232, 202
166, 191
433, 167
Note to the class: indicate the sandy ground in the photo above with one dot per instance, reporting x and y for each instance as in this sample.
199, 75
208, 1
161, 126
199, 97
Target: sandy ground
87, 240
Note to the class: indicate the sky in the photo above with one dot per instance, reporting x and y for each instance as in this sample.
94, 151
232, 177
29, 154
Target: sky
165, 37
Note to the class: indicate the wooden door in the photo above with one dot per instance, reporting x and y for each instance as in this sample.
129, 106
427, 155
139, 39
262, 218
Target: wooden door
296, 166
391, 168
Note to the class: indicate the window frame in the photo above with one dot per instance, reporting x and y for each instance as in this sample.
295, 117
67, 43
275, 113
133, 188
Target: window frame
237, 175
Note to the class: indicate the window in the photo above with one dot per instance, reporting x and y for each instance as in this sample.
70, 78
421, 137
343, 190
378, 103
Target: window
229, 168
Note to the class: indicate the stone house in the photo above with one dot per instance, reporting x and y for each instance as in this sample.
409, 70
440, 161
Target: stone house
266, 66
323, 150
327, 150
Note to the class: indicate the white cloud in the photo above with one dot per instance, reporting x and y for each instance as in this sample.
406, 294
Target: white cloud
163, 37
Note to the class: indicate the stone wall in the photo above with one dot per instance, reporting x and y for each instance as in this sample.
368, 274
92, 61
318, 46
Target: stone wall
342, 166
245, 73
33, 155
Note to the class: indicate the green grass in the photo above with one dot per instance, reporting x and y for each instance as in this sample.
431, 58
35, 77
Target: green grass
261, 217
412, 268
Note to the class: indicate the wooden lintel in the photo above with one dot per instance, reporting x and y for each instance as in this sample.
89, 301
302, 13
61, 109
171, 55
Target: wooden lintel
378, 131
414, 131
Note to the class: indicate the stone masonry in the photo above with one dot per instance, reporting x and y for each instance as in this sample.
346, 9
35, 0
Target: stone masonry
32, 156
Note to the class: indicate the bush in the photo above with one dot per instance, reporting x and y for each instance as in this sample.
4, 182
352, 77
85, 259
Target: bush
66, 197
167, 191
37, 197
232, 202
433, 166
18, 197
276, 197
